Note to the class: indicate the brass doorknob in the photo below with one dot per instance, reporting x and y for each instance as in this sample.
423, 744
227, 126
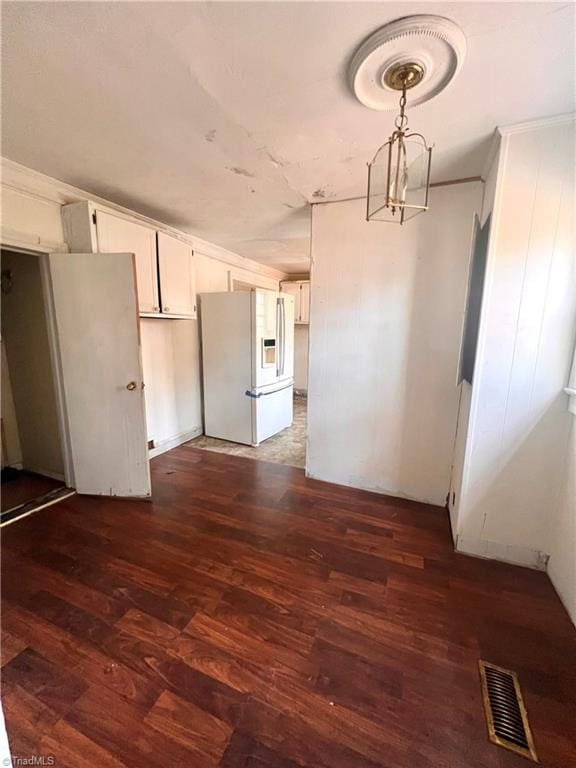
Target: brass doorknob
131, 385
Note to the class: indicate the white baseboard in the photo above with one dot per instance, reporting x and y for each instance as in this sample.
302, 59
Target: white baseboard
563, 583
174, 442
506, 553
13, 465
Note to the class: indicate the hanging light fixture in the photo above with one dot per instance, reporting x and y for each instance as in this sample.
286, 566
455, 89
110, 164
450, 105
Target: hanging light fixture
423, 53
399, 174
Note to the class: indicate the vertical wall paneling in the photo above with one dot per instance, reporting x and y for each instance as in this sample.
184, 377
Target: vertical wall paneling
519, 428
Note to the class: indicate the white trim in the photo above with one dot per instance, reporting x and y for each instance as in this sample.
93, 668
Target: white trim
492, 154
531, 125
506, 553
34, 184
22, 241
557, 581
165, 316
39, 507
481, 343
57, 376
174, 442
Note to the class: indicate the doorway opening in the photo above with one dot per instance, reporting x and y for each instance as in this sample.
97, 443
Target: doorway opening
33, 473
275, 340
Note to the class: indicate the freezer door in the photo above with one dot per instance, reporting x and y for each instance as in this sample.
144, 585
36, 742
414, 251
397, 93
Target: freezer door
266, 338
272, 412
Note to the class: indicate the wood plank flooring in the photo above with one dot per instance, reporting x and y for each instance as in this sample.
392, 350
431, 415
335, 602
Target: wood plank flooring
26, 487
252, 618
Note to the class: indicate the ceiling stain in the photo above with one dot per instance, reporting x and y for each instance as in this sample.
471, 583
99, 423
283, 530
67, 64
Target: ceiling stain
275, 161
210, 135
240, 171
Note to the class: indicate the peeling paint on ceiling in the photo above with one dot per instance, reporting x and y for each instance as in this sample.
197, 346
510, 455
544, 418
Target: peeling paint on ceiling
210, 117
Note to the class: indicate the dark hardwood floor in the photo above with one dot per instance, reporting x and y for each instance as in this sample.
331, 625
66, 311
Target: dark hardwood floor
251, 618
27, 486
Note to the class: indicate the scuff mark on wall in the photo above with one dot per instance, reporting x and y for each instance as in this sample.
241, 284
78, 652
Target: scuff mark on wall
319, 193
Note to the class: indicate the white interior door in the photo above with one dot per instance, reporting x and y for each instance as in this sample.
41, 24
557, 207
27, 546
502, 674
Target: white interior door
98, 342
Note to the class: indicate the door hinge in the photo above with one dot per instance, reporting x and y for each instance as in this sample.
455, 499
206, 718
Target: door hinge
94, 217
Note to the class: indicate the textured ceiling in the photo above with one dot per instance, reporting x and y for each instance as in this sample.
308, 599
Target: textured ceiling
228, 119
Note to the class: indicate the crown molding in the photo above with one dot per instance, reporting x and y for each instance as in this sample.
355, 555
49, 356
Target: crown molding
27, 181
533, 125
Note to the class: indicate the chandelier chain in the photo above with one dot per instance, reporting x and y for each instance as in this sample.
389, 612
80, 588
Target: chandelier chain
401, 121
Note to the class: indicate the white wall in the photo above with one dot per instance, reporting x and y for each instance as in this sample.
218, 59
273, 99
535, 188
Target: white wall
562, 539
213, 275
25, 334
519, 427
31, 208
301, 358
171, 358
170, 361
386, 320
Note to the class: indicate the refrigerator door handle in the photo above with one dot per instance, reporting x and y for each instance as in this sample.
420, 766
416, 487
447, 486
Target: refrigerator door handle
258, 395
278, 335
283, 336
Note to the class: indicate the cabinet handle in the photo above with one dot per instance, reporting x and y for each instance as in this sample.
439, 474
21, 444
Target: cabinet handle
156, 309
166, 309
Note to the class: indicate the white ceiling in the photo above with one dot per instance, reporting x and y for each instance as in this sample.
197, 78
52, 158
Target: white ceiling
228, 119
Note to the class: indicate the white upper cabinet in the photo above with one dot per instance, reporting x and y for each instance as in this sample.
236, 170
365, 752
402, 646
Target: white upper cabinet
300, 289
304, 302
177, 276
165, 275
118, 235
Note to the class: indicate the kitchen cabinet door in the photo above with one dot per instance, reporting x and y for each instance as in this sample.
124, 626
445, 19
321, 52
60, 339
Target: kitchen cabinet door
177, 276
304, 302
118, 235
293, 288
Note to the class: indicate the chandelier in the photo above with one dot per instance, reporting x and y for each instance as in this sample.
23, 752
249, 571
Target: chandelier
424, 53
399, 174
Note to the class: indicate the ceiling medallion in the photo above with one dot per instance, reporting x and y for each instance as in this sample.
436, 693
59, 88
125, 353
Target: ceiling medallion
420, 55
437, 45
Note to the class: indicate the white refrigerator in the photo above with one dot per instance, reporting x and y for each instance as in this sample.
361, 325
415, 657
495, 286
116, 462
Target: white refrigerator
248, 364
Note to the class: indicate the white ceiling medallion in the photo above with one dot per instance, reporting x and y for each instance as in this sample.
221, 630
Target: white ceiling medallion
434, 43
